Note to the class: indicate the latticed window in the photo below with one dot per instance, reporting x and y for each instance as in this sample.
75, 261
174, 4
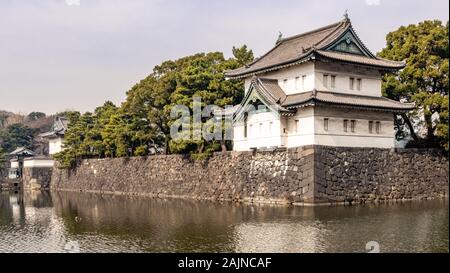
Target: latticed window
333, 81
370, 127
378, 127
353, 125
345, 125
325, 124
245, 125
352, 83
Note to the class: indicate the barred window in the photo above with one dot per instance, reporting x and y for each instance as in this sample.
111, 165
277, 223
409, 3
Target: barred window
370, 127
352, 83
297, 82
353, 125
325, 124
245, 125
358, 84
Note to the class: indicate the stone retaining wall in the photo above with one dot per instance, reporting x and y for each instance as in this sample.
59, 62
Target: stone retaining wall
37, 178
306, 175
367, 175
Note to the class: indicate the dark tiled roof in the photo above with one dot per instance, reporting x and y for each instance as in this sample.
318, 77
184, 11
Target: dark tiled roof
353, 58
59, 128
277, 99
22, 151
299, 48
296, 100
271, 92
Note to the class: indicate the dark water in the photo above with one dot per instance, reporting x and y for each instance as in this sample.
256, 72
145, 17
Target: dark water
65, 222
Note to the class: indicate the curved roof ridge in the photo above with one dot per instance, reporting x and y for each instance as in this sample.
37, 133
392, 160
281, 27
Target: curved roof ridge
304, 47
334, 25
337, 54
346, 24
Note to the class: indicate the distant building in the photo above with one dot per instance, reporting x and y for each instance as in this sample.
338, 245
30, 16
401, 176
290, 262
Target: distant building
17, 161
322, 87
56, 135
34, 171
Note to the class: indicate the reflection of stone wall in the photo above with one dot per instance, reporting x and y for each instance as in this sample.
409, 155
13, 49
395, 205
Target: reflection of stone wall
37, 178
312, 174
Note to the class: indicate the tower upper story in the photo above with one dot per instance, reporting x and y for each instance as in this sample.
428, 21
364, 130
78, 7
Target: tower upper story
329, 59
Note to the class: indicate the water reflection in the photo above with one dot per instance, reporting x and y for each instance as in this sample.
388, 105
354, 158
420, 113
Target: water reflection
44, 222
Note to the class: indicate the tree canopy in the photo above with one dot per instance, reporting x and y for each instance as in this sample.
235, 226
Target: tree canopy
36, 115
17, 135
141, 125
424, 80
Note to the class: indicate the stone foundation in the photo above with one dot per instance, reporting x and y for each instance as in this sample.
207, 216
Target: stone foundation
305, 175
37, 178
372, 175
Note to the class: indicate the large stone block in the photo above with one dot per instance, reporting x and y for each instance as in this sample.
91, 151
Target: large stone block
312, 174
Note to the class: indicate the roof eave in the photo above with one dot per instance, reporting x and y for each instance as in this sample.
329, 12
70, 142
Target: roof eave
308, 56
315, 101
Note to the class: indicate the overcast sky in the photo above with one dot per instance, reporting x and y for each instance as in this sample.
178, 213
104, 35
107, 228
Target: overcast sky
57, 55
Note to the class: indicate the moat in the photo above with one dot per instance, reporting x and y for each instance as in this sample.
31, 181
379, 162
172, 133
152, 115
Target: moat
58, 221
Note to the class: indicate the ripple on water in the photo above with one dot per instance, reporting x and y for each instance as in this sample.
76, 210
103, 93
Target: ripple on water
43, 222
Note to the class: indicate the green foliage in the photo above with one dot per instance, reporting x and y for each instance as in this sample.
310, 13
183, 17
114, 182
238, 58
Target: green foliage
142, 122
17, 135
2, 162
243, 55
85, 135
425, 78
2, 156
202, 76
36, 115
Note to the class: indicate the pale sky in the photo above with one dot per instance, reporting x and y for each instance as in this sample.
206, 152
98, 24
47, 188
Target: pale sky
58, 55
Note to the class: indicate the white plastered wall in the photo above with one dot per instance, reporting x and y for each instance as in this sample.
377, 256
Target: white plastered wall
55, 145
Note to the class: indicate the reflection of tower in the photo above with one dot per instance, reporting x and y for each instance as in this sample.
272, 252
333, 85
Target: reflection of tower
17, 208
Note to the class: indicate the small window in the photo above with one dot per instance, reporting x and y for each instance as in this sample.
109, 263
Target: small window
333, 81
285, 81
250, 128
358, 84
284, 131
325, 124
297, 82
353, 125
352, 83
346, 125
303, 82
245, 125
297, 125
260, 128
325, 80
370, 127
378, 127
